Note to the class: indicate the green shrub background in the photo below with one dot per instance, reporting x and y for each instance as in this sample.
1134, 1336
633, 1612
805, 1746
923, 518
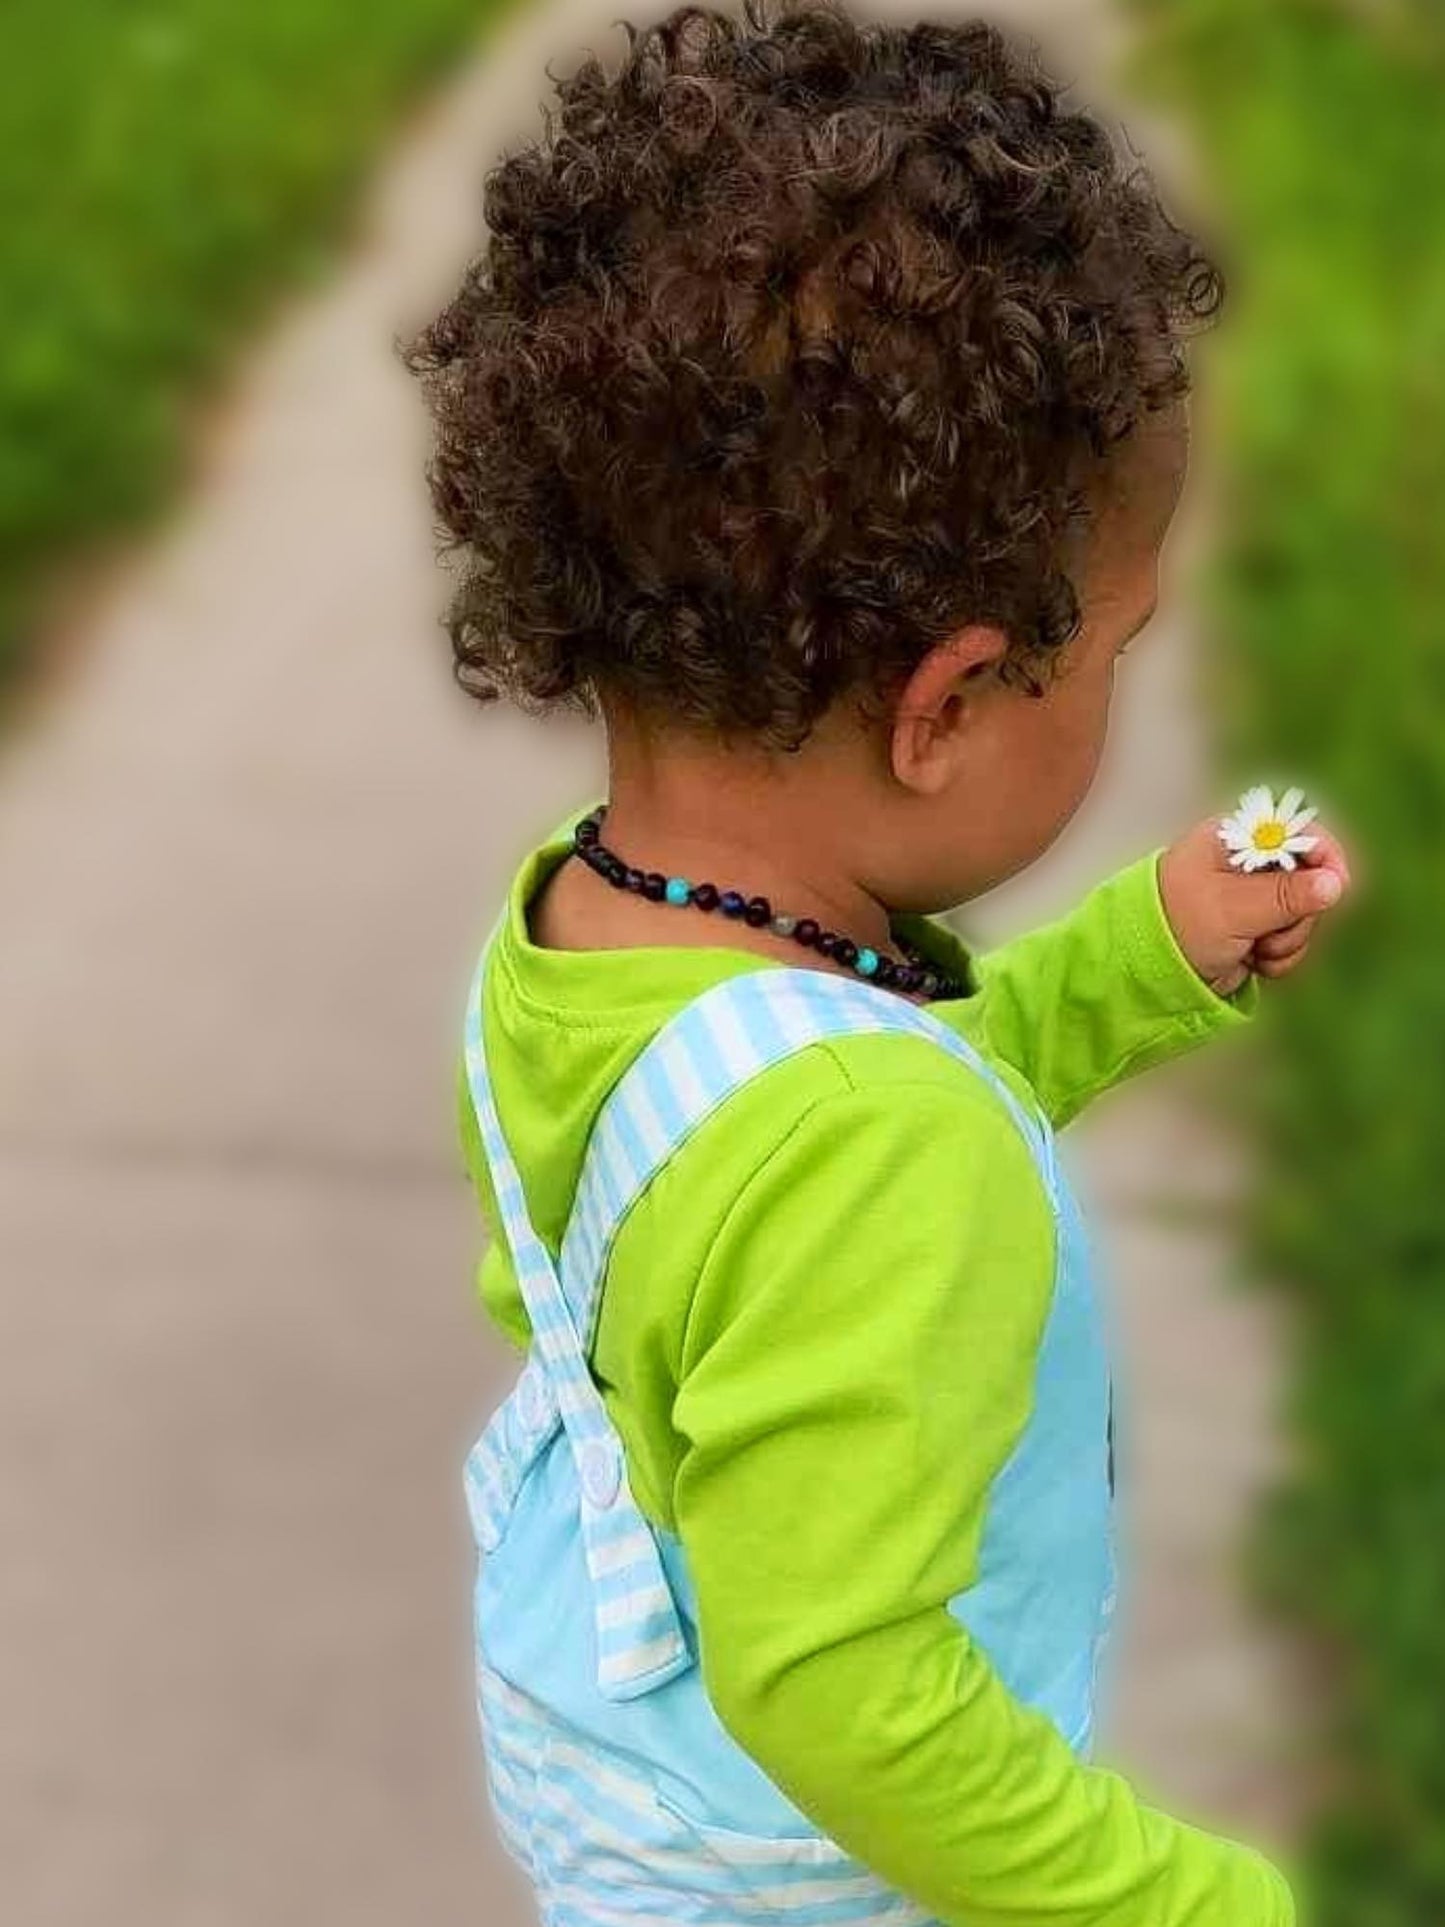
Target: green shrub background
1321, 129
163, 168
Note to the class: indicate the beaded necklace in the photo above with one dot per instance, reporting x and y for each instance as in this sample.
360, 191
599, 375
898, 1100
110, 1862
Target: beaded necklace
910, 973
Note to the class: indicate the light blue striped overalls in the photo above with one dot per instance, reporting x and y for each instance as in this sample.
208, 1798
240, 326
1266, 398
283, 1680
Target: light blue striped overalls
614, 1782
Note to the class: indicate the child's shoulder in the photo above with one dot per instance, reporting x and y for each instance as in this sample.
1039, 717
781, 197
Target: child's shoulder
867, 1116
860, 1162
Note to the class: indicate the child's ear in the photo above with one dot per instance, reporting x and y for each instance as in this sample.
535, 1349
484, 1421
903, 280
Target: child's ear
936, 706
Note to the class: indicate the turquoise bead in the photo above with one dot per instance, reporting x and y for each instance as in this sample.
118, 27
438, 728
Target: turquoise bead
678, 891
867, 963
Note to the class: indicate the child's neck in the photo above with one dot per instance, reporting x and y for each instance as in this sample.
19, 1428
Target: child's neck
767, 826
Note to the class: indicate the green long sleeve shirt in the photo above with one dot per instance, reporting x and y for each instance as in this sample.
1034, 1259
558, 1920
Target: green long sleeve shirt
817, 1340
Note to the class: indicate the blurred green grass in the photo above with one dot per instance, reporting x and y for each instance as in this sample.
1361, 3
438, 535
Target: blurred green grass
164, 168
1322, 132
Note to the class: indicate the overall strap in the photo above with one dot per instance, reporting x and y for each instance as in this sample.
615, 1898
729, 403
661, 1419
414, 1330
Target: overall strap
641, 1644
718, 1043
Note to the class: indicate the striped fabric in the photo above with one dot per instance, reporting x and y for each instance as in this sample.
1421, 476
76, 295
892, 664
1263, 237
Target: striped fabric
604, 1849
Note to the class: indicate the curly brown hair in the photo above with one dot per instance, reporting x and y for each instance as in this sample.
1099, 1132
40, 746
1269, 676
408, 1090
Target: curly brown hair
790, 350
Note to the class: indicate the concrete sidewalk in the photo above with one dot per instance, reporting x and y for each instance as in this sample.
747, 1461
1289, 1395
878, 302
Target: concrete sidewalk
247, 851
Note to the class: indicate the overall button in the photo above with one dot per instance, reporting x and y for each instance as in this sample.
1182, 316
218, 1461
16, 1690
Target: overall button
534, 1402
601, 1472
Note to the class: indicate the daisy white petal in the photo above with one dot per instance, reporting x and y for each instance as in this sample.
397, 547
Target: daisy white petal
1301, 845
1290, 802
1284, 859
1299, 818
1255, 804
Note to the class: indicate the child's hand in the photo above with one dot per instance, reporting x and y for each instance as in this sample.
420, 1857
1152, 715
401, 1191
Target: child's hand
1229, 924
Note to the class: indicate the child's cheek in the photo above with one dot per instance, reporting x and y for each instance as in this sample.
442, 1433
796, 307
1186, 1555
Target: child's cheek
1079, 730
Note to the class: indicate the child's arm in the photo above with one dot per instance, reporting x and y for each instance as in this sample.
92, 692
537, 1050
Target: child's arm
1123, 983
1101, 994
859, 1363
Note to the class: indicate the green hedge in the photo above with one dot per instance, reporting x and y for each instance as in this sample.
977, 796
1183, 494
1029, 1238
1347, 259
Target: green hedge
1322, 132
163, 168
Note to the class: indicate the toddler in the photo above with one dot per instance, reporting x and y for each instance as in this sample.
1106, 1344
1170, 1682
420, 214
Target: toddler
815, 414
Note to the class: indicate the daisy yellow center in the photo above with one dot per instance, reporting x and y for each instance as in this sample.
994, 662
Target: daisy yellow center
1270, 835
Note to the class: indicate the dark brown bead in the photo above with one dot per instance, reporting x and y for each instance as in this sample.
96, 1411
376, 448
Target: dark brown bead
886, 974
635, 881
705, 896
587, 832
654, 886
758, 912
828, 943
807, 932
846, 952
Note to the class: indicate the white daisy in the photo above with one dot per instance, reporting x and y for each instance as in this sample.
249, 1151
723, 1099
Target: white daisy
1262, 833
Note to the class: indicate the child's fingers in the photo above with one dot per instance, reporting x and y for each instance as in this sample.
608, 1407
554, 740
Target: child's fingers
1328, 854
1269, 901
1272, 967
1279, 945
